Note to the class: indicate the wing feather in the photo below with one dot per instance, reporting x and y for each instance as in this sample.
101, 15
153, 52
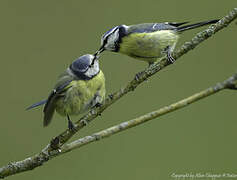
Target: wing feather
49, 107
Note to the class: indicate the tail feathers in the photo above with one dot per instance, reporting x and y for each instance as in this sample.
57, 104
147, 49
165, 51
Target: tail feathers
48, 115
49, 108
177, 24
192, 26
36, 104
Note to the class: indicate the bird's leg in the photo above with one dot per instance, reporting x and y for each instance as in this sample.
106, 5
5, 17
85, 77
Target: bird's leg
169, 51
71, 126
150, 63
111, 96
98, 105
55, 144
138, 75
85, 122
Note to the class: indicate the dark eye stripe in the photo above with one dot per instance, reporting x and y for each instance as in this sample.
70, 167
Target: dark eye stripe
107, 34
110, 32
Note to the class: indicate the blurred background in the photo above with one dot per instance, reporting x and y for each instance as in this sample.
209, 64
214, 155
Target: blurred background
39, 39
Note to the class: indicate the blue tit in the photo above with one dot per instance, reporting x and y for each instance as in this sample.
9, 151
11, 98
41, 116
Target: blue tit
147, 42
79, 88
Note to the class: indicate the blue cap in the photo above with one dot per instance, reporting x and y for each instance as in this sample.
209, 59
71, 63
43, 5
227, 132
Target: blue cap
81, 64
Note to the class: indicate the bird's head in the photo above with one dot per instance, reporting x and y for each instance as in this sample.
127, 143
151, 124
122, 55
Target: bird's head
83, 68
112, 38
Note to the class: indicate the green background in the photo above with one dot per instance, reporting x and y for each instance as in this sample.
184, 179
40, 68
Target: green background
39, 39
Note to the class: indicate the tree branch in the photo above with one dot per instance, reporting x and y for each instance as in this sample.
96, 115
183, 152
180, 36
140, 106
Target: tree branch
227, 84
37, 160
53, 149
150, 71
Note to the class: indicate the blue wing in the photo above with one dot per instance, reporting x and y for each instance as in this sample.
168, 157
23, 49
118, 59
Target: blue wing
49, 107
152, 27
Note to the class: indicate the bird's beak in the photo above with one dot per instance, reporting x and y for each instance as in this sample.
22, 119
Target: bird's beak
96, 55
99, 51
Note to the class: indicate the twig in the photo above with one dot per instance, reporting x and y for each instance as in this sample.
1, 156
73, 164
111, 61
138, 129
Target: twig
49, 151
227, 84
142, 76
37, 160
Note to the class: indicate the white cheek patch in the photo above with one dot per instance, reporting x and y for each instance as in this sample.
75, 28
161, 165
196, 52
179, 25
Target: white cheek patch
108, 33
92, 71
112, 39
102, 41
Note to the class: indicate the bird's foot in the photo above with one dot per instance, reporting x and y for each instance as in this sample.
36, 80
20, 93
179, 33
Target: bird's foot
150, 63
111, 96
98, 105
55, 143
169, 51
137, 76
85, 122
71, 126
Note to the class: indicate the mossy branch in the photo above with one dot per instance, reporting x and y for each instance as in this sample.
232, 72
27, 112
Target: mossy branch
151, 70
230, 83
57, 147
37, 160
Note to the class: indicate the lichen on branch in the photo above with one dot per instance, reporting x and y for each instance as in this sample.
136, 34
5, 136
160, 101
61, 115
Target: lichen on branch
57, 145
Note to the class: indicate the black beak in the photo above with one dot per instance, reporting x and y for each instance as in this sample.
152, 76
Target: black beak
96, 54
99, 51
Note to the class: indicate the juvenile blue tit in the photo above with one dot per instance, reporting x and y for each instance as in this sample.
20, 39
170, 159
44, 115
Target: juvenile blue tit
79, 88
147, 42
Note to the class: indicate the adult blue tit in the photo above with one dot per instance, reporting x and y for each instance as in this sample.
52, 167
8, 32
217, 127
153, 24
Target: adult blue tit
147, 42
79, 88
